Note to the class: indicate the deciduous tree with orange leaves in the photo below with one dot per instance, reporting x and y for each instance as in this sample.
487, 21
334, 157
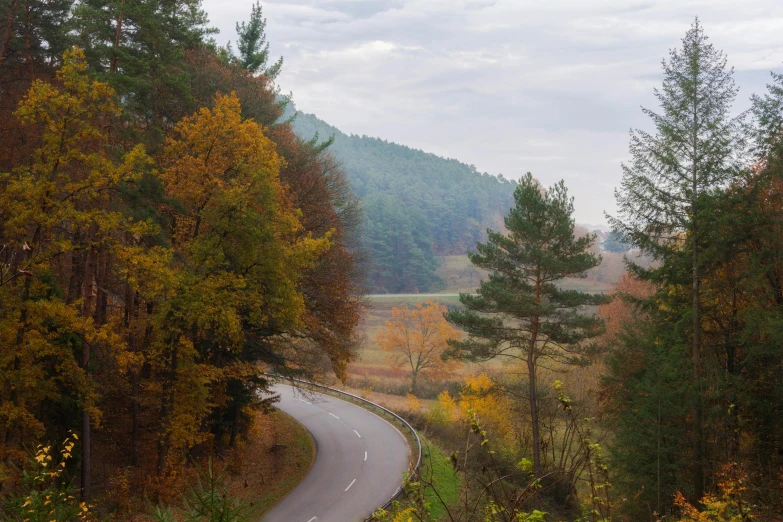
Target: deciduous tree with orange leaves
143, 286
238, 255
416, 339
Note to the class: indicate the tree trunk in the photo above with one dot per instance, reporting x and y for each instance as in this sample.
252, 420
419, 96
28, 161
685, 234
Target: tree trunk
101, 298
27, 32
732, 368
76, 281
117, 39
531, 370
86, 476
88, 308
658, 467
235, 423
698, 472
414, 387
11, 432
698, 469
17, 366
13, 6
129, 317
135, 417
165, 409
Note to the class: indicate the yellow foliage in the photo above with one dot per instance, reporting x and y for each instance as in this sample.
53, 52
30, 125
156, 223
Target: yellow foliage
416, 339
413, 402
90, 281
236, 213
396, 515
449, 405
215, 154
493, 407
730, 505
481, 396
47, 496
56, 204
239, 251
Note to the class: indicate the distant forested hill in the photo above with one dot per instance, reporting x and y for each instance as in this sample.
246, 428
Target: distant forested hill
417, 205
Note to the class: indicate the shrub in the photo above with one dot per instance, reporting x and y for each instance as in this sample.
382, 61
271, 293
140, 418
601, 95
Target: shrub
47, 495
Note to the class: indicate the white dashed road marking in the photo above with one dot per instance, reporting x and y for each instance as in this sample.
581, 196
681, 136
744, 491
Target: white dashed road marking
333, 415
349, 485
357, 434
311, 520
365, 456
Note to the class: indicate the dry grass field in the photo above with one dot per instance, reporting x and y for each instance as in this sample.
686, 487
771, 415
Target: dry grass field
372, 371
461, 276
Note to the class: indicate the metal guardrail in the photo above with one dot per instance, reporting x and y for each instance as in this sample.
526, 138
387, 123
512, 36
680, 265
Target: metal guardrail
374, 405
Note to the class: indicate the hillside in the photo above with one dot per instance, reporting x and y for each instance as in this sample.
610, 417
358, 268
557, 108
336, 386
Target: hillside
417, 205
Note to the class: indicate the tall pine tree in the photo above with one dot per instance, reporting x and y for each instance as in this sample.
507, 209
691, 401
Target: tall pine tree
138, 47
520, 313
253, 47
767, 113
669, 182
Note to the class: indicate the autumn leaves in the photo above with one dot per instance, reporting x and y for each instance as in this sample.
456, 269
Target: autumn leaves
100, 300
416, 339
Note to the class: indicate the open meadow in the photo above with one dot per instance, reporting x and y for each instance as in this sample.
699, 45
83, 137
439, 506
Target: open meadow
372, 370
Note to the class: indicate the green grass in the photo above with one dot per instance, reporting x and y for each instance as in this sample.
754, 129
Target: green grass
438, 469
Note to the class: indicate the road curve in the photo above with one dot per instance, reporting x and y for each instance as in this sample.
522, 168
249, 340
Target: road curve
359, 463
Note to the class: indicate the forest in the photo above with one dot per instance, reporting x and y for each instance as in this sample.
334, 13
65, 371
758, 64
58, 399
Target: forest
170, 235
659, 402
163, 240
417, 206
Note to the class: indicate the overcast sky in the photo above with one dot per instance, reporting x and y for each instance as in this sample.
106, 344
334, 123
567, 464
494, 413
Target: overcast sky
551, 87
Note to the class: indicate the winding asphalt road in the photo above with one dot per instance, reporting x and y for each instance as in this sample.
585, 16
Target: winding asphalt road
359, 463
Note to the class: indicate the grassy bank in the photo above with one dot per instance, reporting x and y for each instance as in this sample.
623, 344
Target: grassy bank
277, 456
437, 469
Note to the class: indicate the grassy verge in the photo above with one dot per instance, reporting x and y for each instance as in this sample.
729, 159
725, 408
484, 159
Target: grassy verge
437, 469
277, 456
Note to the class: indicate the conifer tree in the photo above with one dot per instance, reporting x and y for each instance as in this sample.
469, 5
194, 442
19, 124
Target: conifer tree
667, 187
253, 47
644, 399
138, 47
33, 34
767, 113
397, 239
520, 313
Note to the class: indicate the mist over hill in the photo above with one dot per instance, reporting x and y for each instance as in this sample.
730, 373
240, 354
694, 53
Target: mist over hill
417, 205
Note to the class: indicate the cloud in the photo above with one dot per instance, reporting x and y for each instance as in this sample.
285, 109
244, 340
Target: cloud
489, 81
362, 9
